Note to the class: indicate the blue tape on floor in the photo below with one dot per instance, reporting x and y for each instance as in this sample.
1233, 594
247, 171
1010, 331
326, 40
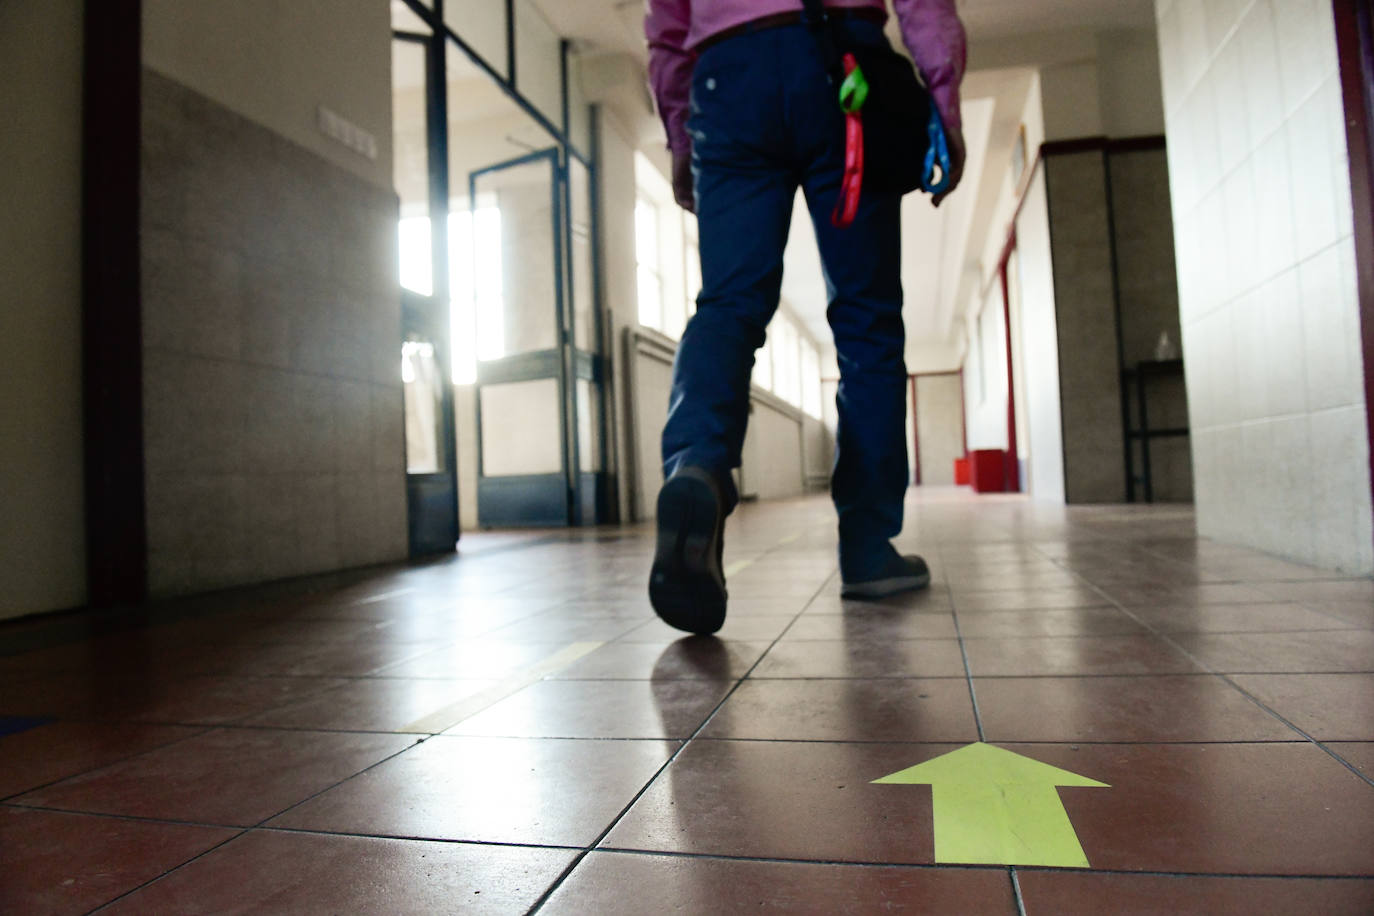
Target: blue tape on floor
13, 725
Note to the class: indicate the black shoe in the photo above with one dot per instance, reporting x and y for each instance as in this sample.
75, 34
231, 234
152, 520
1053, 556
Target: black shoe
686, 584
901, 574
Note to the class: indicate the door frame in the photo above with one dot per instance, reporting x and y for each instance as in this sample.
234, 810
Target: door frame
536, 500
432, 499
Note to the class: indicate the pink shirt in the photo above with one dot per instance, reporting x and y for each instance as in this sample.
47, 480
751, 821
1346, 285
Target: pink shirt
930, 28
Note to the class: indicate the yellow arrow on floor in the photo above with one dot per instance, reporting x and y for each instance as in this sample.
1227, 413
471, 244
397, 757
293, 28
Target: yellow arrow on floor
996, 807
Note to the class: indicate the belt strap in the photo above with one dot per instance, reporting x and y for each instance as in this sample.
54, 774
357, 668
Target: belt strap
778, 20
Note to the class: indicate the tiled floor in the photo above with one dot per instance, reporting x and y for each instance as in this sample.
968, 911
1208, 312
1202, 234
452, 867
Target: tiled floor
512, 729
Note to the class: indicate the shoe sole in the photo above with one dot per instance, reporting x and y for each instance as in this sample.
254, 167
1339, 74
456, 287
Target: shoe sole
686, 586
883, 588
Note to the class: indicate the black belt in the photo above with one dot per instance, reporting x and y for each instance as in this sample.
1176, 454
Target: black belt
866, 14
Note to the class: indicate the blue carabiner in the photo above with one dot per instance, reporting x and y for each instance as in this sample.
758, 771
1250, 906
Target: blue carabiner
938, 154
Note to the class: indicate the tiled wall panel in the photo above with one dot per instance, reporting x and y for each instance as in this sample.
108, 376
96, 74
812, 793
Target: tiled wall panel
1262, 211
273, 414
1089, 372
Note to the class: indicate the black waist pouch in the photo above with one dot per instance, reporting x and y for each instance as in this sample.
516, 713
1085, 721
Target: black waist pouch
895, 114
895, 117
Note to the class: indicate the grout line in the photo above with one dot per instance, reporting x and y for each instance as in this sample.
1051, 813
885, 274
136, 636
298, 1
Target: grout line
958, 866
1226, 677
572, 866
968, 668
1016, 892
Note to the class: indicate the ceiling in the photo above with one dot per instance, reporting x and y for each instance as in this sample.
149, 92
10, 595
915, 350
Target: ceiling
618, 25
942, 248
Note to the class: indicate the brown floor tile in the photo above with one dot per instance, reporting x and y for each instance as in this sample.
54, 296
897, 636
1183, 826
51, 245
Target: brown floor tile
1355, 613
758, 628
197, 700
599, 709
1237, 618
875, 624
347, 659
231, 776
270, 871
1153, 708
1180, 595
554, 627
790, 800
688, 658
1331, 590
1239, 809
724, 886
1088, 621
848, 710
1068, 655
973, 602
925, 601
1329, 707
1360, 755
1078, 894
837, 658
765, 606
58, 750
53, 862
373, 705
503, 790
481, 659
1338, 650
1009, 578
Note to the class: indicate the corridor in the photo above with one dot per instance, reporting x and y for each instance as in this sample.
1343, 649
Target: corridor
511, 729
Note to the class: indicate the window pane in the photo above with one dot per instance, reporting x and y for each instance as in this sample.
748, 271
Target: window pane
646, 234
763, 365
423, 384
811, 379
650, 299
417, 268
693, 278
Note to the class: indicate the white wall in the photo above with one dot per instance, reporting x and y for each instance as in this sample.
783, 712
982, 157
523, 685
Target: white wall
1094, 83
42, 538
276, 63
1039, 353
1262, 213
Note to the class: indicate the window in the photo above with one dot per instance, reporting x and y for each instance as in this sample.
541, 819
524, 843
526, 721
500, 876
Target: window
787, 362
763, 365
811, 379
666, 254
647, 260
478, 303
693, 276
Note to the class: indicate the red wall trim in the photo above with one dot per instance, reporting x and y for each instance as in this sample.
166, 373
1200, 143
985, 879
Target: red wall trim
1355, 44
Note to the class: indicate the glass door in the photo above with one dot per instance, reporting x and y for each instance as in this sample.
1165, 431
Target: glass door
421, 162
525, 475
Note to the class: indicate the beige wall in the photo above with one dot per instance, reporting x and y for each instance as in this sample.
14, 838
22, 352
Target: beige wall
939, 402
42, 547
272, 402
1094, 83
275, 63
1266, 268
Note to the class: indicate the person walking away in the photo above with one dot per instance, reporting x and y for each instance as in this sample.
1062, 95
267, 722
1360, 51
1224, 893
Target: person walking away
751, 116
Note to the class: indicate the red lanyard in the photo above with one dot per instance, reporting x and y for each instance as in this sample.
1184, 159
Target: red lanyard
848, 204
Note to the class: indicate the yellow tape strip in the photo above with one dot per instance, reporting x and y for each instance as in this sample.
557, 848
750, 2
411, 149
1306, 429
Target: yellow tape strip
451, 715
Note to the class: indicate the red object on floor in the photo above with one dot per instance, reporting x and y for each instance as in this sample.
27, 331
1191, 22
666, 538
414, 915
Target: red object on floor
961, 476
986, 470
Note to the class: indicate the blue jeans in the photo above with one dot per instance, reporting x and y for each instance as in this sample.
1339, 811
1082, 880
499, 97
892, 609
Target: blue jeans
765, 121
